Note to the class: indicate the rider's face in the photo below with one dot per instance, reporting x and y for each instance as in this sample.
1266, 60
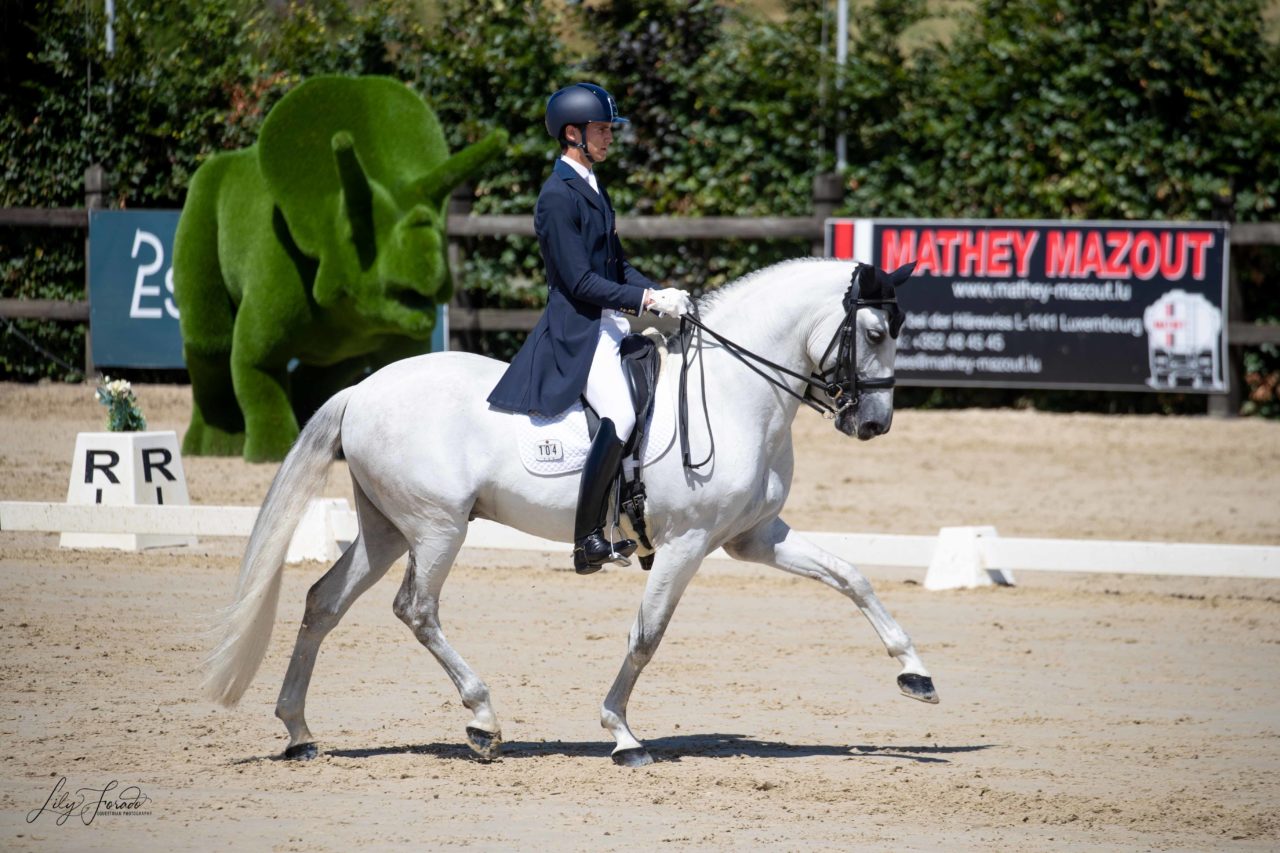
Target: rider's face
599, 138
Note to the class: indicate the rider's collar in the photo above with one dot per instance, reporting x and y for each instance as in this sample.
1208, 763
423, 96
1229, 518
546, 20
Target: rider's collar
582, 171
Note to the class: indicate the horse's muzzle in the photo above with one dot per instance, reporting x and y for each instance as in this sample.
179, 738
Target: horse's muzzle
871, 428
849, 423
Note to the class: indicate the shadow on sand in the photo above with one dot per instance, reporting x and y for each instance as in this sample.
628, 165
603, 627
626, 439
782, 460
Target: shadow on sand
665, 749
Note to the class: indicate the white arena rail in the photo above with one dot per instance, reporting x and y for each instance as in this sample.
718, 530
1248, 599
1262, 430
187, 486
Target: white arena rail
101, 518
1144, 558
957, 557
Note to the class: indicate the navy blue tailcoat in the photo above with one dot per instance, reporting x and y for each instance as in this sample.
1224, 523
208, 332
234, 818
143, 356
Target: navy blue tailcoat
586, 271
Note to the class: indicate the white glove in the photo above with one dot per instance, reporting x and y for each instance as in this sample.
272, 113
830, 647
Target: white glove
670, 302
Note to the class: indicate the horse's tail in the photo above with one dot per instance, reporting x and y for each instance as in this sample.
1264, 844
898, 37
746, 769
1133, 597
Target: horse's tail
246, 625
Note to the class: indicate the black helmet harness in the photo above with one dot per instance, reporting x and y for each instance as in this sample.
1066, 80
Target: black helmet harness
581, 146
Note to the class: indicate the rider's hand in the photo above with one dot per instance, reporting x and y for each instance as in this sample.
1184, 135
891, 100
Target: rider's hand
669, 302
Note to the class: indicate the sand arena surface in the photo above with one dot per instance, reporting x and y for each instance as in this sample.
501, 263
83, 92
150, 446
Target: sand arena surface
1078, 711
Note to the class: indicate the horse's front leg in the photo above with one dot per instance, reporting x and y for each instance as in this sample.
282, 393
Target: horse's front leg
775, 544
675, 564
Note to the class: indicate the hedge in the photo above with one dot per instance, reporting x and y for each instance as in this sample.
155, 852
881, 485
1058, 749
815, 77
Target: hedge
1037, 108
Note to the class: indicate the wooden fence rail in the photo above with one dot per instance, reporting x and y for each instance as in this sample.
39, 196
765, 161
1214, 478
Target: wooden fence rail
465, 321
1240, 332
658, 227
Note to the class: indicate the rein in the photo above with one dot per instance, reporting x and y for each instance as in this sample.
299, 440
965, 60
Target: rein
841, 383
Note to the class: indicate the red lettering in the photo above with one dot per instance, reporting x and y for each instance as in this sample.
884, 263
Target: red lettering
1145, 257
1023, 244
927, 260
1091, 258
1173, 255
970, 253
1200, 242
1117, 265
897, 247
998, 263
1062, 253
947, 240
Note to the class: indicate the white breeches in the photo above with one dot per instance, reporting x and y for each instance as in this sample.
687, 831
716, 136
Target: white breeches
606, 389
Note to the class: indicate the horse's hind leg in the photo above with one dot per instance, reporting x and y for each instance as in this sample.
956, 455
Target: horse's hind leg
418, 606
360, 567
775, 544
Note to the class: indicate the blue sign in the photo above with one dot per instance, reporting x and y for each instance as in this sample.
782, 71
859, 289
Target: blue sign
132, 312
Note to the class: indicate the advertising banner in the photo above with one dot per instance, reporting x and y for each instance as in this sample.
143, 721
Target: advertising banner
1124, 306
132, 311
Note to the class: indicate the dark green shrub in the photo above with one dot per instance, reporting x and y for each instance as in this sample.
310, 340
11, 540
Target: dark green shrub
1038, 108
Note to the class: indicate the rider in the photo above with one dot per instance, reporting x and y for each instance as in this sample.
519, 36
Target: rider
573, 352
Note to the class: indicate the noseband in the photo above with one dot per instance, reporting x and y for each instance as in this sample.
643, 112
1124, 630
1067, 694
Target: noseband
841, 383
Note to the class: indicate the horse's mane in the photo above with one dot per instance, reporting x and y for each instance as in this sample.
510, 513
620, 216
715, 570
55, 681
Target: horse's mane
731, 292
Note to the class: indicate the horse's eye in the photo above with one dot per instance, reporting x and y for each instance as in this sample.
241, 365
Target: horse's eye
875, 335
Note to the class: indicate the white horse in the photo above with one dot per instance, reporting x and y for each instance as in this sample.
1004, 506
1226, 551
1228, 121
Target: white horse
427, 454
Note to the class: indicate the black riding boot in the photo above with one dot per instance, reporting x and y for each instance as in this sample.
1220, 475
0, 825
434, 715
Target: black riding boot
591, 549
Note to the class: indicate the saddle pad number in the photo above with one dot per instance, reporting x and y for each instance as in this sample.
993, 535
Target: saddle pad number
558, 445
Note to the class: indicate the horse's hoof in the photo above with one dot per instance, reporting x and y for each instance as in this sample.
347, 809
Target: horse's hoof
486, 745
301, 752
636, 756
646, 562
918, 687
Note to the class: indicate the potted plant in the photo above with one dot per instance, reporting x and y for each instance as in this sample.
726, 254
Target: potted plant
123, 413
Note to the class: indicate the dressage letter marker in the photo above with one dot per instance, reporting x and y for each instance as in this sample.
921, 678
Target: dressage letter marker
126, 469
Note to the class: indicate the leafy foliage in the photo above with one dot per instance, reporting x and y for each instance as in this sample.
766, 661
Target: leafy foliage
148, 112
1042, 108
492, 65
1089, 108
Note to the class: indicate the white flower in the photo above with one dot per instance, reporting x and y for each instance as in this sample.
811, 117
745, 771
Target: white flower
115, 389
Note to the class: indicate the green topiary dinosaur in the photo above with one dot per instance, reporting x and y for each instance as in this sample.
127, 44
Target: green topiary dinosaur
322, 245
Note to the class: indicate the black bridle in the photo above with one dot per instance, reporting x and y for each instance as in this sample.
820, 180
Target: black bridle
841, 383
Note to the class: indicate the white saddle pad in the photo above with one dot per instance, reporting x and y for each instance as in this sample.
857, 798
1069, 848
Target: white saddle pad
559, 445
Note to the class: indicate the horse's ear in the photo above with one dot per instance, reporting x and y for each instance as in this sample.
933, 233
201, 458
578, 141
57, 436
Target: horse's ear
901, 274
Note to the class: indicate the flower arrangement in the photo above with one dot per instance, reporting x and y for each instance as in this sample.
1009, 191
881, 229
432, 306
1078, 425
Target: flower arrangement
123, 414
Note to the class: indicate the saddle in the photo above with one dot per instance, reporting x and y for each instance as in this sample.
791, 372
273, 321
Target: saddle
641, 364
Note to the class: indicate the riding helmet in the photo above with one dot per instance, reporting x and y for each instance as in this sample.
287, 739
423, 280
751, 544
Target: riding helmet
579, 104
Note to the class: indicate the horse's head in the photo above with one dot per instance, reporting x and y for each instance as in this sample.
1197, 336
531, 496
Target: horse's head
858, 362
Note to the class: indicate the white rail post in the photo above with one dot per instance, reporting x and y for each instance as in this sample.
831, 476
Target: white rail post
315, 537
958, 562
